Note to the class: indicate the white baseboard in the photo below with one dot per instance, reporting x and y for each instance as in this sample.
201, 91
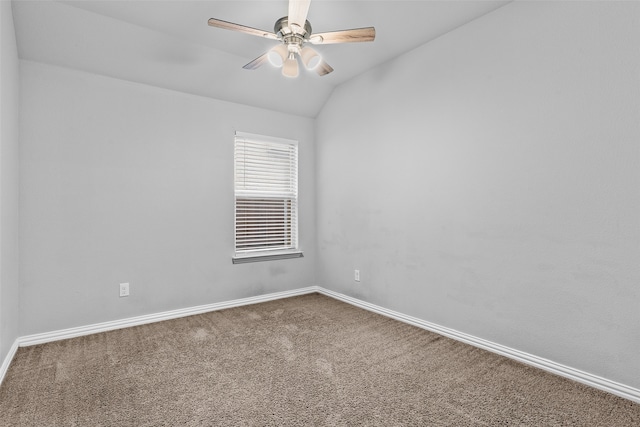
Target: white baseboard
155, 317
595, 381
7, 360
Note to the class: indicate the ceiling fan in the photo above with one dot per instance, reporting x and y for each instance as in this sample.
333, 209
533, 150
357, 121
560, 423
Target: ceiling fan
294, 31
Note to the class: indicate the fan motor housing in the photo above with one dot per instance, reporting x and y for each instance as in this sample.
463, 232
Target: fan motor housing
283, 31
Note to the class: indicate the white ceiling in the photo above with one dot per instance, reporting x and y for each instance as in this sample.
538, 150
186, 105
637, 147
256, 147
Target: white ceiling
169, 44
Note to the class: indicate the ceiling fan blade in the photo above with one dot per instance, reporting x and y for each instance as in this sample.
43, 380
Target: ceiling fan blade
257, 62
367, 34
323, 68
298, 10
241, 28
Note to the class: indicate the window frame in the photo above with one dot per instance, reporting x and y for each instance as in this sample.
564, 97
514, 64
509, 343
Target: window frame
265, 253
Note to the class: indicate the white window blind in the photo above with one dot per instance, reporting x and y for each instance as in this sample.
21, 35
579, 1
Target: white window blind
266, 194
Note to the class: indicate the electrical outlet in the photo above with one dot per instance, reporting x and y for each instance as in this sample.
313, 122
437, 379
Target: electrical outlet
356, 275
124, 289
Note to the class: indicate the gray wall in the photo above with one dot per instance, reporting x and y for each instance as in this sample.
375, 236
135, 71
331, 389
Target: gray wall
9, 290
121, 182
489, 181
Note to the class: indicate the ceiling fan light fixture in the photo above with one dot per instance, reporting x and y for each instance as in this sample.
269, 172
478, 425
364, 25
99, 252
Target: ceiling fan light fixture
294, 31
290, 67
278, 55
310, 58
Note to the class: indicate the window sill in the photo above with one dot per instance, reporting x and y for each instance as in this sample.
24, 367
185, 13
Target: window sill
242, 259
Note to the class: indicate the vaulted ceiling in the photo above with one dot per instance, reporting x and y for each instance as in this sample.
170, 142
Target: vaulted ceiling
169, 44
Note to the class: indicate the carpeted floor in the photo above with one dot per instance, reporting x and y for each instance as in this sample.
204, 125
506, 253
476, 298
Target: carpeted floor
307, 360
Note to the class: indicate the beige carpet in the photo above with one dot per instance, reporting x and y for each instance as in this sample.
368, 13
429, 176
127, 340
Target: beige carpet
307, 360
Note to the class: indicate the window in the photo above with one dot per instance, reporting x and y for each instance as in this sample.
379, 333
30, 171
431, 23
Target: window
266, 198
